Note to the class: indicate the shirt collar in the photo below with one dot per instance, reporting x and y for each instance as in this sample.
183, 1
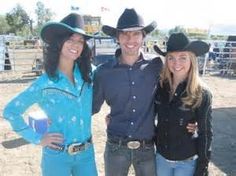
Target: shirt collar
61, 75
116, 61
180, 88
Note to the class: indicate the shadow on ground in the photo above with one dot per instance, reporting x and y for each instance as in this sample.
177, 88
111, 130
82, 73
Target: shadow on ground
224, 141
229, 77
14, 143
22, 80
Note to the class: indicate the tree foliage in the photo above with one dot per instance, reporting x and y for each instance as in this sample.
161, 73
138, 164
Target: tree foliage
155, 33
18, 20
43, 15
177, 29
4, 27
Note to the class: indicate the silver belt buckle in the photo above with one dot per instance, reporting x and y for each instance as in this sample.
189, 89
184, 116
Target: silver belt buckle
72, 148
133, 144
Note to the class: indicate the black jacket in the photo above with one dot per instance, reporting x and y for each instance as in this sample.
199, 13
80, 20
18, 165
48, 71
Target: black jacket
173, 140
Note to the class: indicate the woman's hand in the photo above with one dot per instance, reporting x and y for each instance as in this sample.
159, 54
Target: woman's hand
51, 140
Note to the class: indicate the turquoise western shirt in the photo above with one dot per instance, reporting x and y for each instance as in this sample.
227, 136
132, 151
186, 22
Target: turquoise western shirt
67, 105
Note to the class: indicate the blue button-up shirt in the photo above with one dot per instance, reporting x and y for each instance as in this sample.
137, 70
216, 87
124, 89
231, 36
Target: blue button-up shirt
67, 105
129, 91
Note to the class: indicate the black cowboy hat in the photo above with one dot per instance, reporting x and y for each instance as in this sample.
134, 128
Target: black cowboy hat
180, 42
129, 21
73, 23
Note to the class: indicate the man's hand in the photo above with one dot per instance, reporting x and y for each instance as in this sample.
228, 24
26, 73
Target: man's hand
107, 119
192, 127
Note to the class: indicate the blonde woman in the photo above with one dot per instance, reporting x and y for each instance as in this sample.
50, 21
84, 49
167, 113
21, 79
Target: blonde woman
182, 98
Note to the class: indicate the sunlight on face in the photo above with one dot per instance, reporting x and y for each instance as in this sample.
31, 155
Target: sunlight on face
179, 64
76, 39
130, 42
73, 47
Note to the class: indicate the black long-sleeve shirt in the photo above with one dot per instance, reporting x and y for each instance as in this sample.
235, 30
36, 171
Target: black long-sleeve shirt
174, 142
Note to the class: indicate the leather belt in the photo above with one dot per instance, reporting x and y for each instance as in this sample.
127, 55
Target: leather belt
75, 148
131, 144
194, 157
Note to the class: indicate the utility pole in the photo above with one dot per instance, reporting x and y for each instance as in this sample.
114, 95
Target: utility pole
31, 26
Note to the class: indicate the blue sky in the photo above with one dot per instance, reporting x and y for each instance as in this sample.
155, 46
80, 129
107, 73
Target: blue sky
167, 13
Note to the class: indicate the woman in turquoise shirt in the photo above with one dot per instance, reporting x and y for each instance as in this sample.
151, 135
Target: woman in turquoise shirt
64, 93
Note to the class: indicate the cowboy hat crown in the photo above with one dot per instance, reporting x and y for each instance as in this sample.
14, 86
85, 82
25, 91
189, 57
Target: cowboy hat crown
180, 42
72, 23
129, 20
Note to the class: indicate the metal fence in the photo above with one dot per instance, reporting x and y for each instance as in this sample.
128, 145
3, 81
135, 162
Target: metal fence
21, 59
220, 59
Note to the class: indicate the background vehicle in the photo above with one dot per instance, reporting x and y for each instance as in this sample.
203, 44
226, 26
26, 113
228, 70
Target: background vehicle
103, 49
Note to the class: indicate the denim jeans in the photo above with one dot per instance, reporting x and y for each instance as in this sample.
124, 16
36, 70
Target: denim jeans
174, 168
118, 159
60, 163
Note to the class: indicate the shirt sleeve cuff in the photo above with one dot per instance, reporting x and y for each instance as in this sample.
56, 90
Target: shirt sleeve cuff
30, 135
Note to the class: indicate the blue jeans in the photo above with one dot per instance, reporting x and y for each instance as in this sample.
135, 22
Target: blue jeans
174, 168
118, 159
60, 163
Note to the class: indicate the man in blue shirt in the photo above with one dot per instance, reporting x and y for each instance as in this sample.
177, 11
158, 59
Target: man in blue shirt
128, 84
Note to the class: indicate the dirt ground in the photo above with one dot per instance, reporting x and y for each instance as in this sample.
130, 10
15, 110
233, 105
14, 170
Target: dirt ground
18, 158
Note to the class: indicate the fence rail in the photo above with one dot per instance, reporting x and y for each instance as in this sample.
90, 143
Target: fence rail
21, 60
221, 58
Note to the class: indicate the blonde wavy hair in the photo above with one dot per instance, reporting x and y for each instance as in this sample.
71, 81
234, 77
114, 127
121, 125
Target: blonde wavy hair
194, 84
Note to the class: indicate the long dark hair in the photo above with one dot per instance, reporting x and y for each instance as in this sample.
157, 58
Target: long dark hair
51, 58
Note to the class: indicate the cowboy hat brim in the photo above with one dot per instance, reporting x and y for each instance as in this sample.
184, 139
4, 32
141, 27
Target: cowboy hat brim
52, 30
111, 31
197, 47
159, 51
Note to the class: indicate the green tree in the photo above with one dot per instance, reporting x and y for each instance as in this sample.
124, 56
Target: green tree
198, 36
18, 20
43, 15
4, 27
177, 29
155, 33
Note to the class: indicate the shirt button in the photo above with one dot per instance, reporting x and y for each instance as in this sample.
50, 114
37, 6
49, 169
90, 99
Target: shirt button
130, 136
176, 94
133, 110
130, 68
132, 123
134, 97
132, 82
